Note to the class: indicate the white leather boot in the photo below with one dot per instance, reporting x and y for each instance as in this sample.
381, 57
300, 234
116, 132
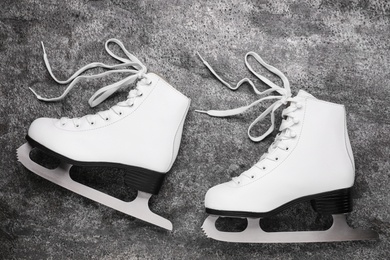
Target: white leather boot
312, 155
310, 160
141, 134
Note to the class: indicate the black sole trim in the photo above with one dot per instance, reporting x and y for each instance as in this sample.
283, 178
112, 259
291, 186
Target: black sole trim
138, 178
332, 202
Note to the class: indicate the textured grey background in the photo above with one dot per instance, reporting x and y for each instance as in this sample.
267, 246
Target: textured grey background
336, 50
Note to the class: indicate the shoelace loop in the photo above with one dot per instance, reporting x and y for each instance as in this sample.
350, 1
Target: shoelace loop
285, 134
137, 71
283, 98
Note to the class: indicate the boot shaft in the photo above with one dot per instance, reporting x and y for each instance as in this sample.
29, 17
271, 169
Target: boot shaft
323, 137
320, 151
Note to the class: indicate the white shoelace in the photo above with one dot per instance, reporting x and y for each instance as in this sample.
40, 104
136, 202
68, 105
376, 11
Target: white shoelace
137, 72
285, 134
285, 95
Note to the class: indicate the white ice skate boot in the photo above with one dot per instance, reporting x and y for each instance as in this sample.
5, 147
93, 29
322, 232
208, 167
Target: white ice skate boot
141, 134
310, 160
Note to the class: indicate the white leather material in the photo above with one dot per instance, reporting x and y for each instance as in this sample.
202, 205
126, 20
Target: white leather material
319, 159
146, 135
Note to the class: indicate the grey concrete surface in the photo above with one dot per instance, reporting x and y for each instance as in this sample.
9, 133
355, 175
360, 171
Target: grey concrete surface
336, 50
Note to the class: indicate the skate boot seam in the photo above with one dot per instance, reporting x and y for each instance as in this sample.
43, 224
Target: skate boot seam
176, 133
347, 145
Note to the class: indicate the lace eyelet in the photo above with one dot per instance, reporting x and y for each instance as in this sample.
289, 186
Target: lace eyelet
77, 126
287, 148
276, 158
264, 167
149, 82
120, 113
107, 119
92, 123
252, 176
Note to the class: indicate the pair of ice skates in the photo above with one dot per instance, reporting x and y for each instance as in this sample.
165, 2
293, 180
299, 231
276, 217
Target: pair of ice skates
310, 160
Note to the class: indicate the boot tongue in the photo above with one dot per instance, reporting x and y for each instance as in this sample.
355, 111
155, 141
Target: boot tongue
304, 94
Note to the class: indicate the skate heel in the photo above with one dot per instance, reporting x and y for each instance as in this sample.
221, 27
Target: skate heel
144, 180
335, 202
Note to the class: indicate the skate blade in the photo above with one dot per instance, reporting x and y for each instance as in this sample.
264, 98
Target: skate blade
137, 208
339, 231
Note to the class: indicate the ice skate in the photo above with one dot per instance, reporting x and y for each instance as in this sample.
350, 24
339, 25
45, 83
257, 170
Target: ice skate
310, 160
141, 135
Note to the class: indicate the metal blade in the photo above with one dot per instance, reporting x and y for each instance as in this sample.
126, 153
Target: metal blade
138, 208
339, 231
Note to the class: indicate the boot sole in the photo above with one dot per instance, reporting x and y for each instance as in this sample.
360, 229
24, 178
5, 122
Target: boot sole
138, 178
332, 202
